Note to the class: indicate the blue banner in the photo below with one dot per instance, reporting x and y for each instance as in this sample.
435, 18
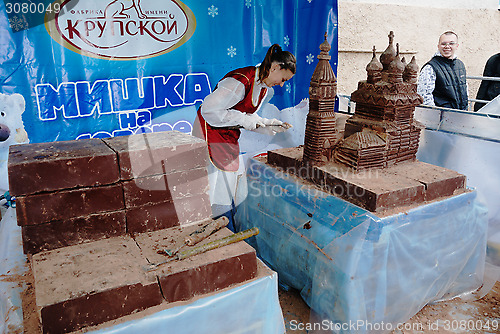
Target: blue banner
107, 68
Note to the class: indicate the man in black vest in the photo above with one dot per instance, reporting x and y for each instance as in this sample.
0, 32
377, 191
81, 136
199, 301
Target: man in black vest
442, 80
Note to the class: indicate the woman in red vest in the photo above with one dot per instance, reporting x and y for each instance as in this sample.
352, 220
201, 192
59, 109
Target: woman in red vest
233, 105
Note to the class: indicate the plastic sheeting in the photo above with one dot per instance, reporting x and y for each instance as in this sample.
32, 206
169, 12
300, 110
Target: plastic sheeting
12, 265
492, 107
353, 266
249, 308
252, 308
468, 142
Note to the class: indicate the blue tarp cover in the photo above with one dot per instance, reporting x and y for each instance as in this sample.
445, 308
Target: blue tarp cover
352, 266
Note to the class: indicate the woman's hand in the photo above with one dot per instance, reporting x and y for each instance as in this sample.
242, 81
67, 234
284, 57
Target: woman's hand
273, 121
252, 122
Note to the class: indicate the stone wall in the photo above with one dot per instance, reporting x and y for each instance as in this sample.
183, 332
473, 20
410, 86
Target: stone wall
417, 29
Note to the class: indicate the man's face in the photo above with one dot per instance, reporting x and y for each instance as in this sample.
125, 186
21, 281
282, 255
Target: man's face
448, 45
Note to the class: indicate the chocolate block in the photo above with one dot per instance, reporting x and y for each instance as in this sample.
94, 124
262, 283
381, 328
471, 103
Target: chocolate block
62, 233
438, 181
156, 153
40, 167
151, 217
290, 160
376, 190
263, 272
168, 214
373, 190
66, 204
192, 209
286, 158
202, 273
165, 187
91, 283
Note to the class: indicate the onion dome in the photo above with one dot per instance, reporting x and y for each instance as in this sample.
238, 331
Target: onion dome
396, 65
374, 69
323, 71
410, 73
390, 52
323, 81
396, 68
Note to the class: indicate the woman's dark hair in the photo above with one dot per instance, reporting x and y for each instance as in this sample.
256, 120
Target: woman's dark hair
274, 54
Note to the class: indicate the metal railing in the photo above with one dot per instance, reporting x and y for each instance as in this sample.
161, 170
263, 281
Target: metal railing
473, 77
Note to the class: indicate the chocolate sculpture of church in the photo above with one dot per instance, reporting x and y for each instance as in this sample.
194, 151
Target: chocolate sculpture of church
382, 131
382, 137
321, 132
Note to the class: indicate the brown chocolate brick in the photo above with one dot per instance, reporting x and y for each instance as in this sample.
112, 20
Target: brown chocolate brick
193, 209
438, 181
41, 167
202, 273
286, 158
290, 160
168, 214
66, 204
62, 233
156, 153
91, 283
374, 190
151, 217
165, 187
192, 280
99, 307
263, 272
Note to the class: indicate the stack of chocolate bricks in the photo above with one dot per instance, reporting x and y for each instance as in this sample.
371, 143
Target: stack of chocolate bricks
71, 192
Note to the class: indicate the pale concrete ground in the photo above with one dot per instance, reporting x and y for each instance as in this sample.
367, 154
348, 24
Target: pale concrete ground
455, 316
417, 30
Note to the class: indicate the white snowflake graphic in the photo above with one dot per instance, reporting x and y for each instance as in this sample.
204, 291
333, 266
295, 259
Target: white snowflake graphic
309, 1
248, 3
212, 11
231, 51
18, 23
310, 58
286, 40
288, 87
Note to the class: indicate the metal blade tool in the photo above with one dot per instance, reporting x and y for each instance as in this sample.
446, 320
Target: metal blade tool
231, 239
200, 234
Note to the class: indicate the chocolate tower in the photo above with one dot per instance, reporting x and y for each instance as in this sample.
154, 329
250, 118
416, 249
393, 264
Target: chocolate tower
382, 131
321, 133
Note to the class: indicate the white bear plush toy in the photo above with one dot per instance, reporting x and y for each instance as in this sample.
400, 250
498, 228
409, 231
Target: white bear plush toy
11, 131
